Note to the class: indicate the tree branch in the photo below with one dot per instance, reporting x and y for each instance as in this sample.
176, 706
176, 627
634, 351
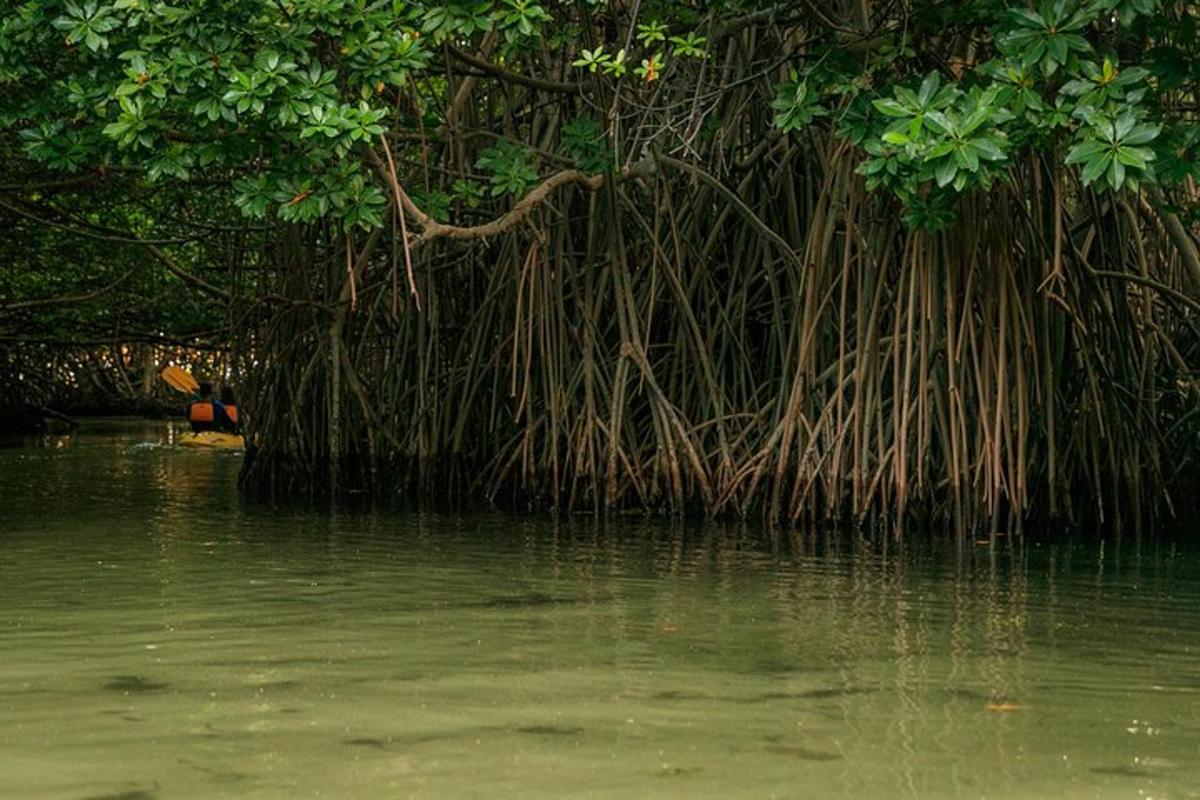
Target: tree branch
512, 77
431, 229
784, 248
41, 185
1182, 240
65, 299
179, 272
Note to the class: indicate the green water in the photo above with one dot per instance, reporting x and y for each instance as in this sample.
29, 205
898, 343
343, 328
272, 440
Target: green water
162, 638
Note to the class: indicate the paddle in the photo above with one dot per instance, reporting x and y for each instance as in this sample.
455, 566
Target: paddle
180, 380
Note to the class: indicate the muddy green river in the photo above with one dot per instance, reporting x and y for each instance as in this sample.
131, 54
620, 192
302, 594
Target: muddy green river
162, 637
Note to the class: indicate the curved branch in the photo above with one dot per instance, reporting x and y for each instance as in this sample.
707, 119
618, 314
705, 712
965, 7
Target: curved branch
65, 299
736, 202
51, 185
1179, 236
1158, 286
89, 229
431, 229
774, 15
173, 267
512, 77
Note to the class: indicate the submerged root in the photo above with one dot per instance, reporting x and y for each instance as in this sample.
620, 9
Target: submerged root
679, 359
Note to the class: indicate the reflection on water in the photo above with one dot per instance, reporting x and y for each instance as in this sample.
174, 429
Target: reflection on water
163, 639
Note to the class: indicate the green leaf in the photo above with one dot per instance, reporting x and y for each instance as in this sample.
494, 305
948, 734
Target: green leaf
1094, 169
1024, 16
1142, 134
1085, 151
1116, 173
969, 159
1076, 87
939, 150
1133, 157
1123, 125
987, 148
891, 108
929, 88
946, 171
941, 123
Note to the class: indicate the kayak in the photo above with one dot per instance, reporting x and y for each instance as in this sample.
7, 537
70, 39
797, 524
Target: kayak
213, 440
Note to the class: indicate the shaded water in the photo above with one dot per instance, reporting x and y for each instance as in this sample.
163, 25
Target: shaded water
162, 638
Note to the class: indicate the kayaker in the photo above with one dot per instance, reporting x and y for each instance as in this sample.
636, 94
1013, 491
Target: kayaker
228, 404
205, 412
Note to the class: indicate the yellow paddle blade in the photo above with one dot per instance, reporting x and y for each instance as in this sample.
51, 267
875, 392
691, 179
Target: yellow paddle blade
180, 380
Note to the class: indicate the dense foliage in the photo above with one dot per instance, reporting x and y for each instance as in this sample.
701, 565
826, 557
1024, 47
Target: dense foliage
801, 256
285, 97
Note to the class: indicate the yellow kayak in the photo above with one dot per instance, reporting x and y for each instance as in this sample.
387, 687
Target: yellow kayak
213, 439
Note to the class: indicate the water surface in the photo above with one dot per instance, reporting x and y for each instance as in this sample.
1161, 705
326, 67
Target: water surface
162, 638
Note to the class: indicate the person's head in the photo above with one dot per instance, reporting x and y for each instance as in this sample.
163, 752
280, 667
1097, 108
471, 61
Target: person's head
205, 389
227, 395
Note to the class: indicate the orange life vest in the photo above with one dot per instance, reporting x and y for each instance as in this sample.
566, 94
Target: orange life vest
231, 412
201, 411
